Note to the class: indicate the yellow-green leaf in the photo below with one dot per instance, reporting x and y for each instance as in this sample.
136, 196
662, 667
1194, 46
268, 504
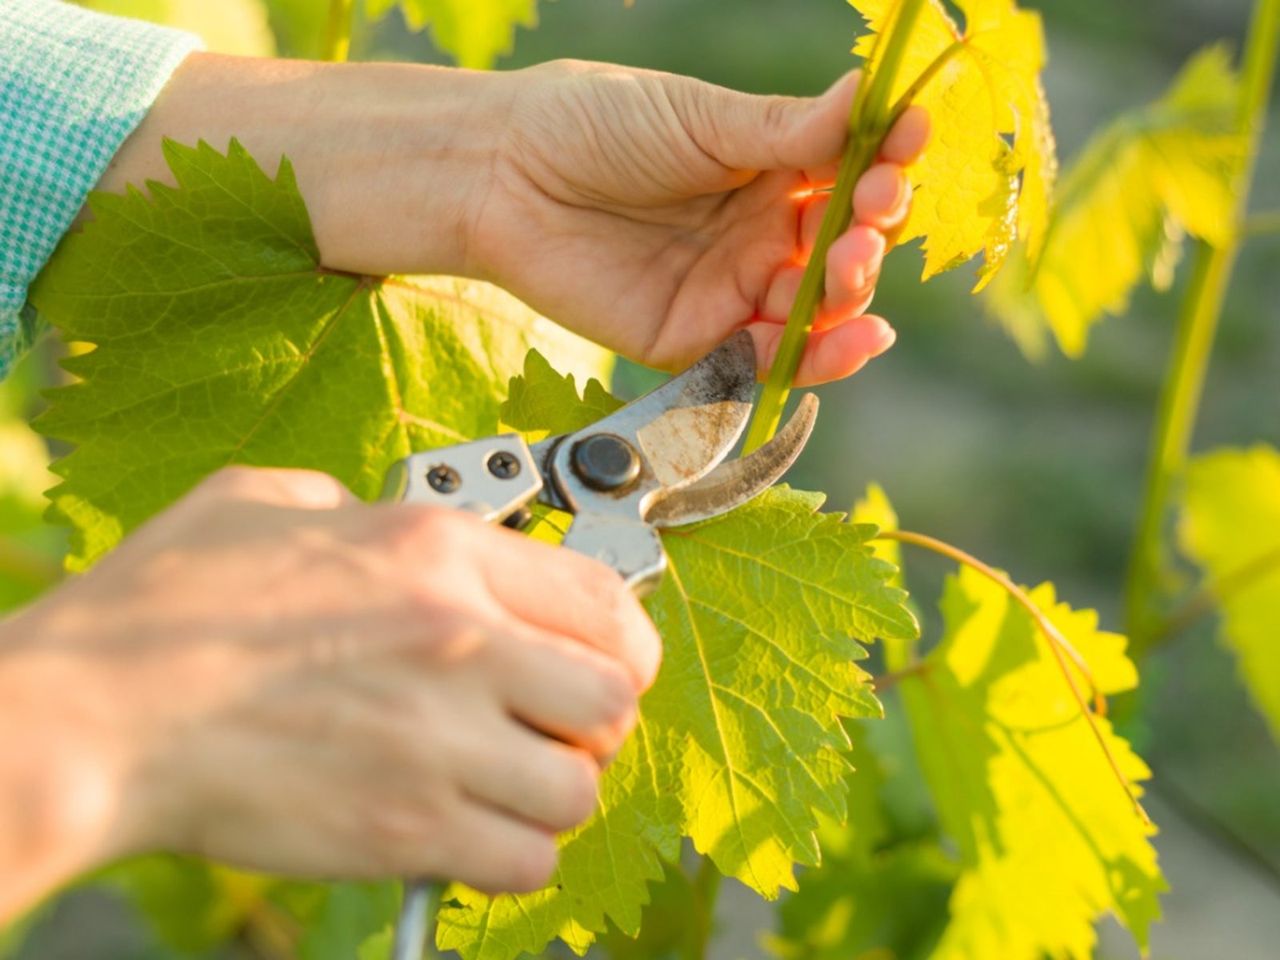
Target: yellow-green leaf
1048, 839
988, 174
1124, 206
876, 509
875, 895
1230, 526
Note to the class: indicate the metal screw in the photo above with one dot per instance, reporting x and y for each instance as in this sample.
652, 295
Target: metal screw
443, 479
606, 462
503, 465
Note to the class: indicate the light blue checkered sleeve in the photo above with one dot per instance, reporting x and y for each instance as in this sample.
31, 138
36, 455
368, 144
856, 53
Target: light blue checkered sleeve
73, 86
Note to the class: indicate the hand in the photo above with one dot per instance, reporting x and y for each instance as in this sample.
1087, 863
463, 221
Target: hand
273, 675
656, 213
653, 213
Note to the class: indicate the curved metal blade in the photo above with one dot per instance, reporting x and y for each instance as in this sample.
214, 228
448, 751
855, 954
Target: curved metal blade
734, 483
690, 423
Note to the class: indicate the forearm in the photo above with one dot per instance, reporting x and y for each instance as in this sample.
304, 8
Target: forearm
393, 160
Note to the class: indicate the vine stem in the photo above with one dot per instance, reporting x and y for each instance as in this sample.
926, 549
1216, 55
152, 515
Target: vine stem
1193, 342
337, 34
870, 119
1059, 645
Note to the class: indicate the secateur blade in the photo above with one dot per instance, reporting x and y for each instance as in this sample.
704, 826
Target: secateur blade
658, 461
679, 433
734, 482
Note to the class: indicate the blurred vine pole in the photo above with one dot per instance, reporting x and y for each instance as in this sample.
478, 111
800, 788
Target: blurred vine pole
1198, 322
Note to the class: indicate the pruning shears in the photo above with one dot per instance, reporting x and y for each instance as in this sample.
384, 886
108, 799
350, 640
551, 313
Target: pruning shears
657, 462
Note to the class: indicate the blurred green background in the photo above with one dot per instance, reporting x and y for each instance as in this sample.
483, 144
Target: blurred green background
1034, 467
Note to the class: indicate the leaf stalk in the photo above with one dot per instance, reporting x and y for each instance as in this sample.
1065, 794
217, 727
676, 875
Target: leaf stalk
870, 119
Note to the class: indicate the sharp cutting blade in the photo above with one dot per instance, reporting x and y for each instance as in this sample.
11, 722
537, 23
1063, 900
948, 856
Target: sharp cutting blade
689, 424
734, 483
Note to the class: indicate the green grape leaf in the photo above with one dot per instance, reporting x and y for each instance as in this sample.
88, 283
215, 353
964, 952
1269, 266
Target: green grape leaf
230, 26
191, 906
337, 928
473, 32
1124, 207
892, 903
873, 895
542, 401
378, 946
220, 339
988, 173
1230, 526
739, 743
1048, 839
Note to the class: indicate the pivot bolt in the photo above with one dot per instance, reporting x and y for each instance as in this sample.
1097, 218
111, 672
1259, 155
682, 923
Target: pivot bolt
443, 479
504, 465
606, 462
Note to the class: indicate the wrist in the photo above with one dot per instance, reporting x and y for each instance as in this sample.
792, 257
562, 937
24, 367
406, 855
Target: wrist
392, 160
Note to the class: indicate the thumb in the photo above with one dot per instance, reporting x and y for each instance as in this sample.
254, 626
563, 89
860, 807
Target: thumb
748, 132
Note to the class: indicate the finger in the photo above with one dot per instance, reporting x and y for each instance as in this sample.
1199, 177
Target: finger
539, 780
568, 594
782, 293
747, 132
810, 223
491, 851
909, 137
882, 197
853, 267
304, 489
568, 691
830, 354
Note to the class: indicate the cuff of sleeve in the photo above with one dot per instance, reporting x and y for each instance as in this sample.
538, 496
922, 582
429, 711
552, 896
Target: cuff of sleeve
73, 85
